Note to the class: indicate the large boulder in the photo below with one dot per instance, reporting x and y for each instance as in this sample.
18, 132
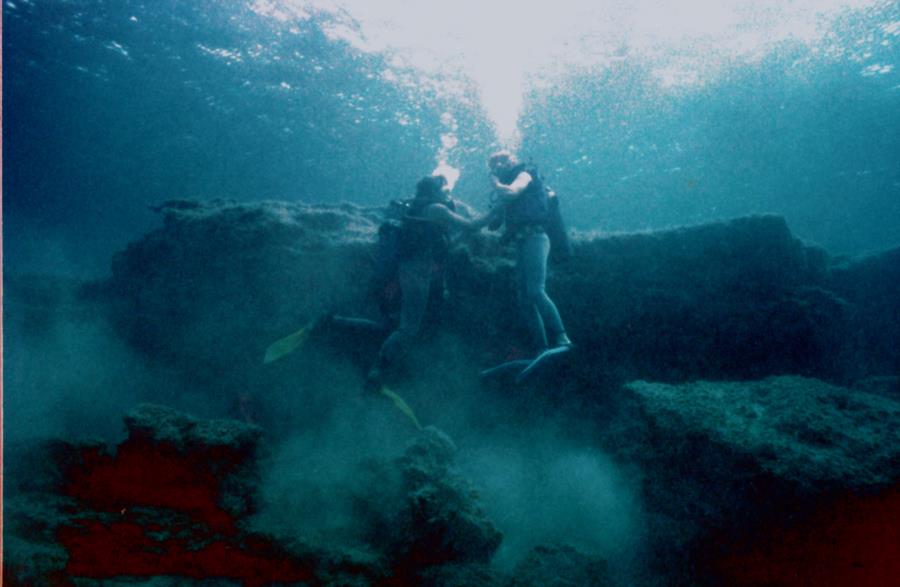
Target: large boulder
741, 298
208, 291
558, 566
739, 466
436, 518
871, 285
176, 499
808, 434
171, 501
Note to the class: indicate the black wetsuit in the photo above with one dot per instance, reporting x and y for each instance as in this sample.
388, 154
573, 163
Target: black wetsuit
422, 253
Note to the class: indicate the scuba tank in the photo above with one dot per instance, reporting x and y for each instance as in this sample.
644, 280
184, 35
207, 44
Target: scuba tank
560, 245
538, 205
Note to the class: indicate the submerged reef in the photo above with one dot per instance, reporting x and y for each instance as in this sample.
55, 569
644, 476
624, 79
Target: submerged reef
736, 299
787, 471
176, 499
742, 384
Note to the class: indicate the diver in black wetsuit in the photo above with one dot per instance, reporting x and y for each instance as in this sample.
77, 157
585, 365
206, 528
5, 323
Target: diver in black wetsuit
524, 197
424, 243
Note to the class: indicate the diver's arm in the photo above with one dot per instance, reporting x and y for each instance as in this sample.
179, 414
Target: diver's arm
464, 209
446, 216
512, 191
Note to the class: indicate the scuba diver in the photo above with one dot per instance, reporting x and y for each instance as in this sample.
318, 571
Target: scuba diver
527, 215
423, 244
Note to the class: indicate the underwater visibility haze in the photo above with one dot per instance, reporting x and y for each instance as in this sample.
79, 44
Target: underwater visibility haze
644, 115
186, 183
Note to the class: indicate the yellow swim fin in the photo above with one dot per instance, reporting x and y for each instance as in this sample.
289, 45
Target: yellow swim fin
286, 345
401, 405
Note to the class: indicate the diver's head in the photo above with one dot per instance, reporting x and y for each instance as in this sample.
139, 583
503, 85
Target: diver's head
433, 188
501, 161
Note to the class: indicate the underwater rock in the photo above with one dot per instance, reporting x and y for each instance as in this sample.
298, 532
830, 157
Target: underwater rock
439, 520
812, 435
208, 293
175, 499
742, 464
205, 295
558, 566
888, 386
221, 452
35, 507
872, 286
171, 501
452, 575
544, 566
210, 290
735, 299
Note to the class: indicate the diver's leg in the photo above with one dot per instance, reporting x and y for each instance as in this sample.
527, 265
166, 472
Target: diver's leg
539, 250
528, 274
415, 279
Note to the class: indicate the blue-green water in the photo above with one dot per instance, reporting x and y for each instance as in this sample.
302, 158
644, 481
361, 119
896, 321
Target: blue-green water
113, 106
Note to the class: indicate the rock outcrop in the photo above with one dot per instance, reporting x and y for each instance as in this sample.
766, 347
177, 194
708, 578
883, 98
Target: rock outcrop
437, 519
808, 434
743, 465
737, 299
560, 565
755, 458
871, 287
169, 501
208, 291
742, 299
176, 497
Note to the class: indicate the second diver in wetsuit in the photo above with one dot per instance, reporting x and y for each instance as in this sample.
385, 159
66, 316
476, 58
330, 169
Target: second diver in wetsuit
520, 188
424, 242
